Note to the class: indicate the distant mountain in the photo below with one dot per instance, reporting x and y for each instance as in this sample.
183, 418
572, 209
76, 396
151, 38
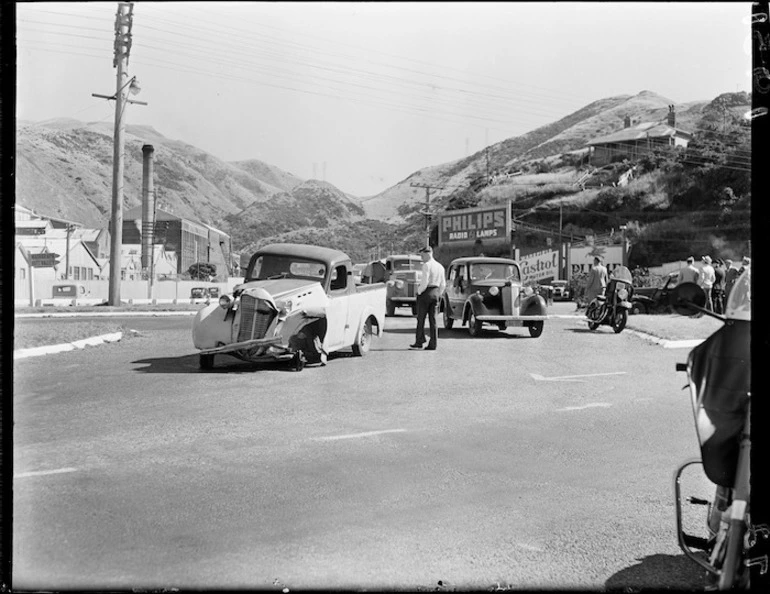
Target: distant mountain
64, 168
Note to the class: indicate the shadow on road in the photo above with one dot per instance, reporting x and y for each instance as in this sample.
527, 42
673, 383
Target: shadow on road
444, 334
222, 364
659, 572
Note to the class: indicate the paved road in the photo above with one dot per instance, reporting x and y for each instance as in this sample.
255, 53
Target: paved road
502, 461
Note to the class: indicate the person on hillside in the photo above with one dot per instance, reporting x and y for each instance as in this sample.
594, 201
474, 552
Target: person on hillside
429, 291
688, 273
706, 281
597, 280
718, 290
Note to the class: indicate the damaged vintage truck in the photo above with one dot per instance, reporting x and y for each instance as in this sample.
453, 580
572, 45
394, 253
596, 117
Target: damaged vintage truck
298, 303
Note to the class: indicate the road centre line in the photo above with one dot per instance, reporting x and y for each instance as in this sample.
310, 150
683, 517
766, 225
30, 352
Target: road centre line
357, 435
538, 377
44, 472
584, 406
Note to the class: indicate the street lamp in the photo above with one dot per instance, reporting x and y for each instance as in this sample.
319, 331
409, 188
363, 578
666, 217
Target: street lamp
623, 239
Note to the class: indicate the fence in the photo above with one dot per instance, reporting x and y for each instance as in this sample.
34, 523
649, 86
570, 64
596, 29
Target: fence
97, 291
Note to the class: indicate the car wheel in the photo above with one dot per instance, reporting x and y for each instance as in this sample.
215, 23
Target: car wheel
535, 329
390, 308
448, 320
619, 321
206, 362
474, 325
365, 341
638, 308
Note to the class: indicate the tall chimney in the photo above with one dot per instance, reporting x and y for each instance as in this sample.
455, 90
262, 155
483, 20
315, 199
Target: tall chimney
671, 116
148, 207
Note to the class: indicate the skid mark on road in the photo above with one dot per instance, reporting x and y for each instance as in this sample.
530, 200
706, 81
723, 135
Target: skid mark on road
357, 435
44, 472
584, 406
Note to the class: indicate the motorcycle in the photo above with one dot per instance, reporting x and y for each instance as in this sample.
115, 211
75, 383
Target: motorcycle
719, 376
613, 306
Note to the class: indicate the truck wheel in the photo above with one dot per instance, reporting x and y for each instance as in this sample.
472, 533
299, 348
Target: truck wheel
365, 341
638, 308
206, 362
535, 329
474, 326
448, 320
390, 308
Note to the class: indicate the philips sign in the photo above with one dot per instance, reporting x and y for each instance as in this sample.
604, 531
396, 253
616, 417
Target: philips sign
472, 224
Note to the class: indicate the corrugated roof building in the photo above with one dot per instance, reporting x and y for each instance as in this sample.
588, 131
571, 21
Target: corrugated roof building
634, 141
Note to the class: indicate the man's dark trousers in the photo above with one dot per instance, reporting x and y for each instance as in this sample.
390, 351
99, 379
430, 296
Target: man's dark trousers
427, 303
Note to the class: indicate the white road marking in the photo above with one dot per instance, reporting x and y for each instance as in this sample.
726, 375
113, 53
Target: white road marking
571, 378
528, 547
682, 344
44, 472
584, 406
357, 435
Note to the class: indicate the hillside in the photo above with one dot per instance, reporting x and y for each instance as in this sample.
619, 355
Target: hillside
563, 136
64, 168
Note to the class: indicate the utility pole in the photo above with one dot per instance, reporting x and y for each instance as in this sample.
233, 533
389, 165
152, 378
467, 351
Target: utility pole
426, 211
123, 20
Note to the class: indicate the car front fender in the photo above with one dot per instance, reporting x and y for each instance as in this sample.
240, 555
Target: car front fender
534, 305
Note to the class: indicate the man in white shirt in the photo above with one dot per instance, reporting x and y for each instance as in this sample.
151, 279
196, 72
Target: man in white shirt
429, 291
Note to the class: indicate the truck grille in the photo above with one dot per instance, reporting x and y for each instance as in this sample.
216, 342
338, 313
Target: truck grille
256, 317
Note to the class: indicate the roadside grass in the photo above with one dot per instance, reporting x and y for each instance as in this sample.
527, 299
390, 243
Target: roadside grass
36, 335
674, 326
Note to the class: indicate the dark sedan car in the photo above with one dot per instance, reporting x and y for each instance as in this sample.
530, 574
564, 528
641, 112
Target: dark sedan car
482, 290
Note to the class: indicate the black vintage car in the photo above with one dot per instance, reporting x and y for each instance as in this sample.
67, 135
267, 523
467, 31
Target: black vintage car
483, 290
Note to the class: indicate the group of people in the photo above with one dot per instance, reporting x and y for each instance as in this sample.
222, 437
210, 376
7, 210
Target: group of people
715, 277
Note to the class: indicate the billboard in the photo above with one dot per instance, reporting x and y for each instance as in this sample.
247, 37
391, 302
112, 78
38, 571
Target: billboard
539, 265
470, 225
581, 259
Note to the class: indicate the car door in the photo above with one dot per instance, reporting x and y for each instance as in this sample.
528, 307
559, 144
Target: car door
456, 289
338, 309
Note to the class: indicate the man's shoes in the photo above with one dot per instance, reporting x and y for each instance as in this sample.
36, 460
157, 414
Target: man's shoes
430, 347
416, 346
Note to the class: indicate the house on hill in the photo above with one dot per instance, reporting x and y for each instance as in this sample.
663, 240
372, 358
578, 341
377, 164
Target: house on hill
634, 141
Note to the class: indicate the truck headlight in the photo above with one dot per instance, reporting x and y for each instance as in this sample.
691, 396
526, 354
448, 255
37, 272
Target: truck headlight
390, 283
494, 291
285, 307
224, 302
528, 291
399, 284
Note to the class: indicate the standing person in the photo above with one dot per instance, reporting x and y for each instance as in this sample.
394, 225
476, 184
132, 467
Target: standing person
731, 275
718, 290
689, 273
706, 280
429, 291
596, 281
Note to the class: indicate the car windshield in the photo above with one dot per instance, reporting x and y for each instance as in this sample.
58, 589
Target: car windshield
270, 266
411, 264
494, 270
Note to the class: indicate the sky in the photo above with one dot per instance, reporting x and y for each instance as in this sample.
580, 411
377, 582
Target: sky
363, 94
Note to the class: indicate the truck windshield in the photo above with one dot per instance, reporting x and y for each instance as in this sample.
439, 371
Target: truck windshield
411, 264
270, 267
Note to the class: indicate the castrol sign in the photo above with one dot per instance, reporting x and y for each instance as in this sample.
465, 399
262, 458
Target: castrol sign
469, 225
